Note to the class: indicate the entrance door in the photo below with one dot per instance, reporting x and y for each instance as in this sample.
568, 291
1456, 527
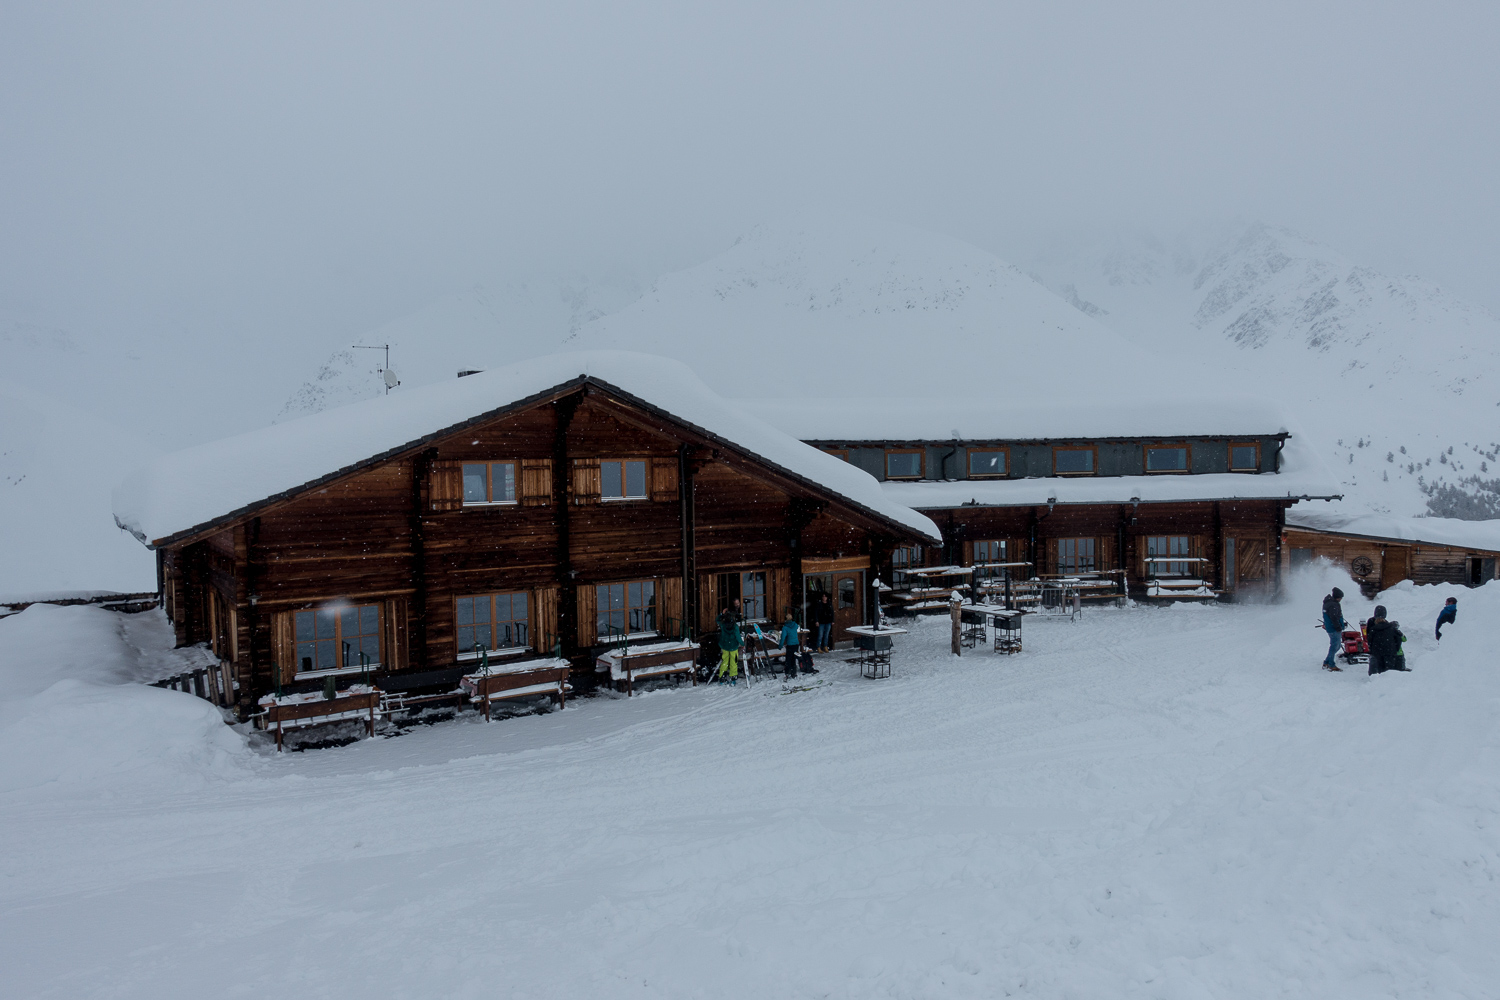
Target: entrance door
848, 602
1254, 570
847, 591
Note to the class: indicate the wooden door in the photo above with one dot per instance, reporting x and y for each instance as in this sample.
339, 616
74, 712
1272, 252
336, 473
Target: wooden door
1254, 564
848, 603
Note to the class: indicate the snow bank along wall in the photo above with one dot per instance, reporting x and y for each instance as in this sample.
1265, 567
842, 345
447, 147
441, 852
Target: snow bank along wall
1380, 561
564, 518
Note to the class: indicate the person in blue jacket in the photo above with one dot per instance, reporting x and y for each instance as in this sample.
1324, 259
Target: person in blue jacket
791, 641
1333, 624
1447, 616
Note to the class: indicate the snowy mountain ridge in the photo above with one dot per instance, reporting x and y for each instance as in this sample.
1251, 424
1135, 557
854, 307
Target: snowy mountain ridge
1397, 380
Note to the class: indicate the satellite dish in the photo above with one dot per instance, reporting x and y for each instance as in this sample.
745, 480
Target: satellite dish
391, 381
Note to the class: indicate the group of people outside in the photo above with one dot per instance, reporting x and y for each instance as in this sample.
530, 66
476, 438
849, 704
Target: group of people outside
732, 639
1383, 636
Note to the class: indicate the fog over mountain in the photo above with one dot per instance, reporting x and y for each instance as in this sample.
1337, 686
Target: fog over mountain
1397, 380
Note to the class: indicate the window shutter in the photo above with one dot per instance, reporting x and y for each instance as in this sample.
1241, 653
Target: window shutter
778, 594
588, 608
445, 486
663, 479
393, 638
544, 619
586, 487
708, 600
536, 482
284, 646
669, 605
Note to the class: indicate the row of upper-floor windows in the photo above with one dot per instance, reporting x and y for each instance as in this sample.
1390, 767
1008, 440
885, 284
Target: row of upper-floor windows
1061, 460
495, 482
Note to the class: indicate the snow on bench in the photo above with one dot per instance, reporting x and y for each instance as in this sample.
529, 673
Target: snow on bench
312, 708
657, 659
520, 679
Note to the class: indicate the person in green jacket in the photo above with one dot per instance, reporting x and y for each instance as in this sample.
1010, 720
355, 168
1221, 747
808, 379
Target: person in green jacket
729, 643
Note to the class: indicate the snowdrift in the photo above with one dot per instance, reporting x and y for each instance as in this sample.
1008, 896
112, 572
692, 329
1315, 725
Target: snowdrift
72, 714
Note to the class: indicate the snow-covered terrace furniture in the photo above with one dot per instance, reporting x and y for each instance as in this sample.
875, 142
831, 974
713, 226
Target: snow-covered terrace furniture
659, 659
294, 711
1006, 622
875, 648
523, 679
1181, 589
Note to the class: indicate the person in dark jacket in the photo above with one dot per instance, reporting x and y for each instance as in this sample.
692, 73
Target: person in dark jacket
1385, 642
1447, 616
823, 618
1333, 624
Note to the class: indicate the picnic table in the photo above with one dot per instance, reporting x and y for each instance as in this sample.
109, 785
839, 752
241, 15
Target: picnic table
518, 679
312, 708
874, 643
1177, 586
656, 659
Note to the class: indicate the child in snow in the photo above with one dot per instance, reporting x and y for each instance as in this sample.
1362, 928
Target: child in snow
791, 640
1385, 643
729, 643
1333, 624
1447, 616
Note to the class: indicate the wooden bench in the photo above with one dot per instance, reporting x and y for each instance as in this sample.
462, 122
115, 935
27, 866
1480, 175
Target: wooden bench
1181, 589
297, 711
521, 680
658, 660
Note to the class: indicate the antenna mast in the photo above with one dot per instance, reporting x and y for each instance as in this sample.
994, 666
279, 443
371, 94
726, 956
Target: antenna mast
391, 381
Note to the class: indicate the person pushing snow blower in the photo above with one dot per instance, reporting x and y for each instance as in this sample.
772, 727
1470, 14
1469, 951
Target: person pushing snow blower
1333, 624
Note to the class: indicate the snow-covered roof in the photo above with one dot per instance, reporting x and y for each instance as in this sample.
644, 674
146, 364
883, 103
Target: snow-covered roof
1023, 411
189, 490
1483, 535
1302, 476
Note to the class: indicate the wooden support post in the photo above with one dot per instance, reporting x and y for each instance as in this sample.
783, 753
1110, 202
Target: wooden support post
421, 490
562, 484
955, 605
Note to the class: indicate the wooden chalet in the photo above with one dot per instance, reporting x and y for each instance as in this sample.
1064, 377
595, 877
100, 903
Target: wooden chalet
1170, 500
1379, 552
552, 507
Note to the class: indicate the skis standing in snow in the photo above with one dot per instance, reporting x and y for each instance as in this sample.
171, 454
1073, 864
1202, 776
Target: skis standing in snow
1333, 624
1447, 616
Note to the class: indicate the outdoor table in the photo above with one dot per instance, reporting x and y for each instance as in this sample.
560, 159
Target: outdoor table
875, 646
1007, 622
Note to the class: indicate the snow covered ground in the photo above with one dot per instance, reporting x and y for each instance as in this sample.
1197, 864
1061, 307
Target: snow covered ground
1147, 803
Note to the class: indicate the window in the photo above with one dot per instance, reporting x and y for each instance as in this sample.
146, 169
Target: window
333, 638
489, 482
1244, 457
1073, 461
987, 463
992, 551
626, 608
750, 588
903, 465
622, 479
839, 453
1160, 546
1166, 458
1075, 555
848, 599
494, 621
902, 559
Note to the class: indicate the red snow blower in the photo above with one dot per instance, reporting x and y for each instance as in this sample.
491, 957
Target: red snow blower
1356, 646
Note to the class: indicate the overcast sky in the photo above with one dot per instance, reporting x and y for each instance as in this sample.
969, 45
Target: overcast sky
211, 170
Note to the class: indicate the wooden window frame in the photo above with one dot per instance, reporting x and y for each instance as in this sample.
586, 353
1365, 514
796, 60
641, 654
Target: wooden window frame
603, 635
338, 637
1057, 548
1093, 451
506, 651
1186, 447
489, 483
969, 463
839, 453
1148, 568
645, 464
1229, 456
921, 454
765, 596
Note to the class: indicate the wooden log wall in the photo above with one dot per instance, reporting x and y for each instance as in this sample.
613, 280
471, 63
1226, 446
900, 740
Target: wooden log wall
399, 536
